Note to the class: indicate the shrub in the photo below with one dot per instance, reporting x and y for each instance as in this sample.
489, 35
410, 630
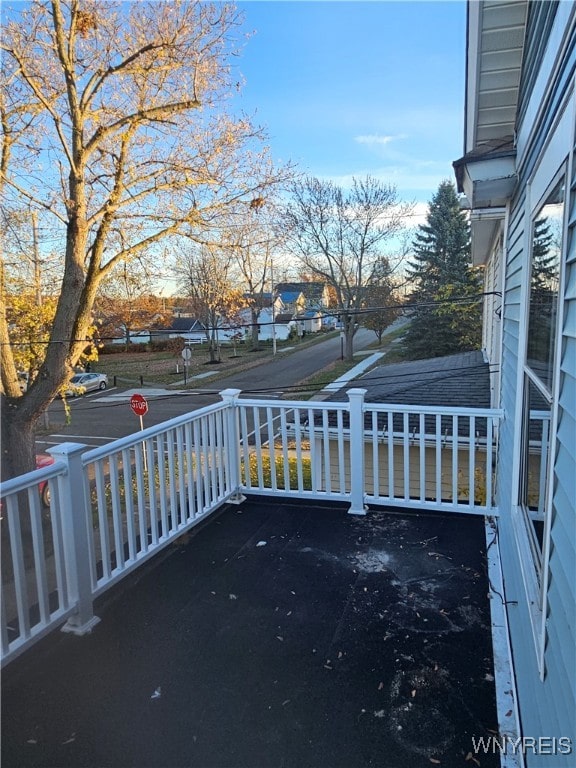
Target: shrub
279, 465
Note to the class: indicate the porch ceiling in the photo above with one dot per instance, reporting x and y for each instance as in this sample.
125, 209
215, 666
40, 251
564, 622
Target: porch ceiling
278, 634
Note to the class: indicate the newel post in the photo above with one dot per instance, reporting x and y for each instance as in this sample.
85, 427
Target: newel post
357, 480
75, 514
232, 440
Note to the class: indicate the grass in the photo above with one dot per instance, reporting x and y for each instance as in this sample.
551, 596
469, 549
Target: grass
318, 381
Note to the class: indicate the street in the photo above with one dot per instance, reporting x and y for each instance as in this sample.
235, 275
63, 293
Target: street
99, 418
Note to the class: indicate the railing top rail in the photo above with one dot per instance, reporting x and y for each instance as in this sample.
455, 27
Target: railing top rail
327, 405
440, 410
343, 405
22, 482
137, 437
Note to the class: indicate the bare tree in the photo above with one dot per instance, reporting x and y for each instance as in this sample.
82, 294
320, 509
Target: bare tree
339, 236
204, 276
113, 125
127, 302
252, 240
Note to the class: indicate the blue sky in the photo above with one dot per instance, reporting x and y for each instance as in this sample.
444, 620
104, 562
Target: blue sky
350, 88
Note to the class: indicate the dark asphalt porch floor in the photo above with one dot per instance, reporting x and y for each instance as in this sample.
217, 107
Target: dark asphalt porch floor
276, 636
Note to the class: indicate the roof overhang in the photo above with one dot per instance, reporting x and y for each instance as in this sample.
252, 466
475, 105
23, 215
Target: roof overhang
495, 44
496, 31
486, 227
487, 178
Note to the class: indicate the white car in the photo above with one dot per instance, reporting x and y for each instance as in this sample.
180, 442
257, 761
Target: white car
81, 383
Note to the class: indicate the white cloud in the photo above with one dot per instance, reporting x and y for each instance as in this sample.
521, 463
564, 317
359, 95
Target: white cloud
377, 139
409, 180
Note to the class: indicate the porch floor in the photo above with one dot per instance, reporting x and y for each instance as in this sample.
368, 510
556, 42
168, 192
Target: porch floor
281, 635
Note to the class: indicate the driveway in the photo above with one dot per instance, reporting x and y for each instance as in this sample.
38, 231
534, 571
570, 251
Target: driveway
276, 376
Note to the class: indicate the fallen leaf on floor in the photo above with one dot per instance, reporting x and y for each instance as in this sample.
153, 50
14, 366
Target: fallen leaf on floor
509, 713
327, 667
413, 692
470, 756
380, 713
287, 701
32, 741
261, 544
232, 597
436, 762
157, 693
279, 637
70, 739
340, 654
489, 677
381, 686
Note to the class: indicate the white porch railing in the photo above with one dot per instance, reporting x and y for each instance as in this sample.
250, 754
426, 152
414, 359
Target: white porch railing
114, 507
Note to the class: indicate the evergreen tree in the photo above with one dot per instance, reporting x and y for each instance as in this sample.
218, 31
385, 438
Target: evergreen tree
441, 270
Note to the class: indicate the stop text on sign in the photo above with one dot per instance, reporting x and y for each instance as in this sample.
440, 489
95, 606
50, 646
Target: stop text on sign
139, 405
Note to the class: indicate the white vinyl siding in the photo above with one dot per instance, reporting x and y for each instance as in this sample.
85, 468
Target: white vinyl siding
545, 674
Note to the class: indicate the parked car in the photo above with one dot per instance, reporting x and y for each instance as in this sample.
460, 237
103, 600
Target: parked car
44, 460
81, 383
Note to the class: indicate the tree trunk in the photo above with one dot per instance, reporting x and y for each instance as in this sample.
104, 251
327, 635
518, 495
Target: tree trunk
349, 331
18, 433
255, 338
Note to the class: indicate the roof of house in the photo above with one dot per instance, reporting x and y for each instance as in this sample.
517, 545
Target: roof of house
289, 296
311, 290
277, 634
308, 314
459, 381
186, 324
283, 317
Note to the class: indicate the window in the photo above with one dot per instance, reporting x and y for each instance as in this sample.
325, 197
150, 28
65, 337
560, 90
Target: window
536, 448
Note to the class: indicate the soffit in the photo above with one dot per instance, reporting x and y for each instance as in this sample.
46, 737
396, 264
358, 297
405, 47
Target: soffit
496, 43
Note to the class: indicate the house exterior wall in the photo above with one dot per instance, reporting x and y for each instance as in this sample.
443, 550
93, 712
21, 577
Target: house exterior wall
542, 612
492, 317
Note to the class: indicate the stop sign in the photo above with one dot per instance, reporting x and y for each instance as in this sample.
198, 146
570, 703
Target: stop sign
139, 405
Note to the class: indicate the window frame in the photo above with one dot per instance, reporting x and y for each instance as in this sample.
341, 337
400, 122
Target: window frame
535, 579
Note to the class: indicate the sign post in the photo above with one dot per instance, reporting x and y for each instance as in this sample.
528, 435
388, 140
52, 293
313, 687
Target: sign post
139, 405
186, 355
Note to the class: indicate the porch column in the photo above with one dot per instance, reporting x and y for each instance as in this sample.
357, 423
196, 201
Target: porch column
75, 512
232, 446
356, 407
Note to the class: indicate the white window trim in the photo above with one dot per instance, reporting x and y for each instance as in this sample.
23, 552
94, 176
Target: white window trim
556, 156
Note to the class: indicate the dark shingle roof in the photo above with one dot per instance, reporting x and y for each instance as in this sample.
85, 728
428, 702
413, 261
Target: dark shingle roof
460, 381
312, 290
186, 324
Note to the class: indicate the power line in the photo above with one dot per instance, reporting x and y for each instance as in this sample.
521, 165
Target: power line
322, 314
449, 373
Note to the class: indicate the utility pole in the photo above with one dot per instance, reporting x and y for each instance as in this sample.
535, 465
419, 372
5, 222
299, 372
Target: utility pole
36, 259
273, 308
